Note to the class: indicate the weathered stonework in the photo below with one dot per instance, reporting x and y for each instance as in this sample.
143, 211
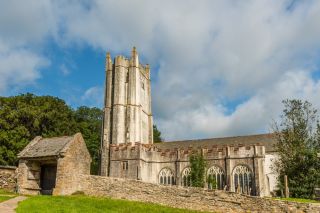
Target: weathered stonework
146, 161
8, 177
188, 198
127, 108
68, 155
127, 149
75, 161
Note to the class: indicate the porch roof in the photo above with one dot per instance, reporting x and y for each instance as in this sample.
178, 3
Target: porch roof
44, 147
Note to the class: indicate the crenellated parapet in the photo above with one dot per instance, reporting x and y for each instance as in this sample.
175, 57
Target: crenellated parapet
145, 71
150, 152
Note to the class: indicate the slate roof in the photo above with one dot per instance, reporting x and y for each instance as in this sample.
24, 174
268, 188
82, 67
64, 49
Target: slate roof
44, 147
266, 140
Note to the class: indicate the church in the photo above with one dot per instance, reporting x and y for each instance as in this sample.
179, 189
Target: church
239, 164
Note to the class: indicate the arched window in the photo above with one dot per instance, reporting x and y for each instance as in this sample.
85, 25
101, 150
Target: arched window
186, 177
166, 177
242, 177
215, 175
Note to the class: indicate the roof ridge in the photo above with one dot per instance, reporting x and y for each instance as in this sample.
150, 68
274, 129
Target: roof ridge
226, 137
64, 136
46, 146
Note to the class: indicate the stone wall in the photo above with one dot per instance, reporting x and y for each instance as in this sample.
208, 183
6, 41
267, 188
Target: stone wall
8, 177
190, 198
146, 161
271, 175
75, 161
28, 177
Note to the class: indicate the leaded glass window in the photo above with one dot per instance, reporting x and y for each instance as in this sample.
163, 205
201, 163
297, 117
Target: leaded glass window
216, 175
166, 177
186, 177
242, 177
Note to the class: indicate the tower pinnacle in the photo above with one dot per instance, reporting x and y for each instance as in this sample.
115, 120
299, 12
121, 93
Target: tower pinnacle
134, 50
108, 62
134, 57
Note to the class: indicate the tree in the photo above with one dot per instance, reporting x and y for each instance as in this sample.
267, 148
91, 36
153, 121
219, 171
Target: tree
89, 121
25, 116
298, 142
156, 135
198, 165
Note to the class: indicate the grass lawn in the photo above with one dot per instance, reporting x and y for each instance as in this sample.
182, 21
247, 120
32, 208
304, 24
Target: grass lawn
4, 198
301, 200
5, 192
6, 195
81, 203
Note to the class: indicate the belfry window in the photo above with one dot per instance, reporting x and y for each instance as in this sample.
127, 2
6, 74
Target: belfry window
125, 165
186, 177
242, 177
166, 177
215, 177
127, 77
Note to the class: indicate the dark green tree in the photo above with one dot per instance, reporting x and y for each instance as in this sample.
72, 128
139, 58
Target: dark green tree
198, 166
23, 117
89, 122
298, 143
156, 135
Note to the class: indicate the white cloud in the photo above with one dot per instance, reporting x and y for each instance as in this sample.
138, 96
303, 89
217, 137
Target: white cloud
18, 67
252, 116
22, 28
209, 54
22, 23
64, 69
93, 96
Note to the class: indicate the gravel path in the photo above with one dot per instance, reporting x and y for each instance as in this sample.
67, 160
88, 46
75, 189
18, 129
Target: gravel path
9, 206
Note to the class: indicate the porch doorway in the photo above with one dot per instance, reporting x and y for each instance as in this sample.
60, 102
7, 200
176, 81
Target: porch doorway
48, 179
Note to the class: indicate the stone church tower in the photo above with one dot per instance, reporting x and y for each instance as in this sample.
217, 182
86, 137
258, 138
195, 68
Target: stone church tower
127, 105
238, 163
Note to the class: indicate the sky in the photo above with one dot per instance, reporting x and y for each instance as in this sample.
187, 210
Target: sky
218, 68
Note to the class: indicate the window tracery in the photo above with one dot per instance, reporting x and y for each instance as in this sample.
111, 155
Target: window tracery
216, 174
186, 177
166, 177
242, 176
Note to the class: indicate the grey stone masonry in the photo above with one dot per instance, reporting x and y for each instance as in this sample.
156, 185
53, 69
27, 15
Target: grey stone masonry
145, 161
188, 198
68, 154
127, 106
8, 177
